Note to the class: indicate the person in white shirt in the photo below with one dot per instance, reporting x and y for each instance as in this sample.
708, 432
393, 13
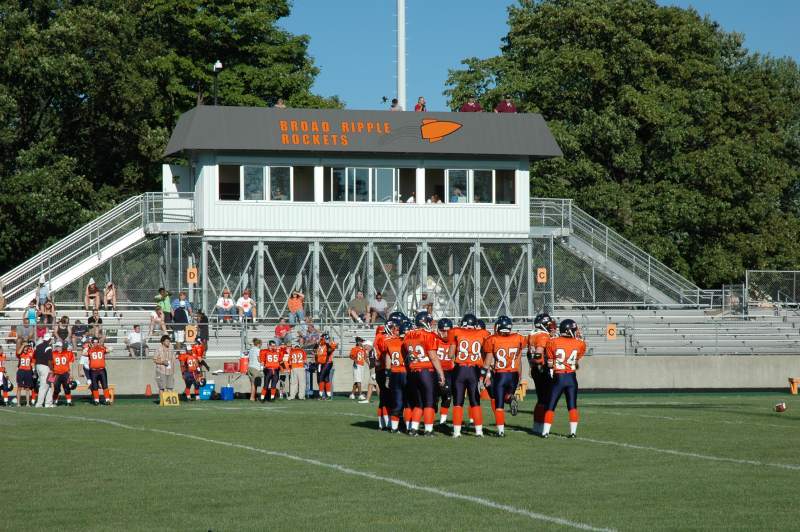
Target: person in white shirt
225, 307
254, 368
378, 307
136, 346
246, 306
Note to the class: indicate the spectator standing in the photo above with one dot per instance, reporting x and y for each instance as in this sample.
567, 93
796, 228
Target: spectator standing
358, 309
226, 306
254, 368
163, 300
471, 106
164, 361
181, 314
297, 375
246, 307
425, 304
505, 105
371, 363
62, 330
202, 327
110, 297
44, 365
42, 291
358, 355
91, 295
395, 105
157, 320
295, 305
31, 312
48, 312
420, 107
135, 344
378, 308
41, 328
283, 332
280, 104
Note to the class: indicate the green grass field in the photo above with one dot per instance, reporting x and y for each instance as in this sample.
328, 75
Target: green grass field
641, 462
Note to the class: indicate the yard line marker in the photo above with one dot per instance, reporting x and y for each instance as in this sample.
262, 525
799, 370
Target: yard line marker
349, 471
791, 467
691, 420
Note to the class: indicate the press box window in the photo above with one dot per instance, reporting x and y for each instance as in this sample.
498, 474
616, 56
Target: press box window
505, 191
280, 183
253, 183
229, 179
482, 186
457, 186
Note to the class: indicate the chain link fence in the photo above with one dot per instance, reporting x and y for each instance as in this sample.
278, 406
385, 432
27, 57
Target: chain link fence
770, 288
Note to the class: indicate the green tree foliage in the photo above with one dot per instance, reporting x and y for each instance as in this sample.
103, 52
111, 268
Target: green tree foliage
91, 89
671, 131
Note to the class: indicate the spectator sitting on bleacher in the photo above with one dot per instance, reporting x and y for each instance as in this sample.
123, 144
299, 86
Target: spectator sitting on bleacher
135, 344
425, 304
91, 295
311, 335
62, 330
79, 332
225, 307
41, 328
110, 297
283, 332
181, 303
246, 307
378, 308
2, 297
358, 309
157, 319
96, 325
25, 333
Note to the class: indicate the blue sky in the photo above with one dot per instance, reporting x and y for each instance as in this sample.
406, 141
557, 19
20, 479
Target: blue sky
353, 41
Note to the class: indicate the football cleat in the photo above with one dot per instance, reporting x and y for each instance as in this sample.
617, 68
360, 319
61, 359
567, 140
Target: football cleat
413, 433
394, 431
456, 435
572, 435
429, 434
514, 406
545, 436
500, 435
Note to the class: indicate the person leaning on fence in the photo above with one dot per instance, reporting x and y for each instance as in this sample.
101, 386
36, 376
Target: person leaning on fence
164, 361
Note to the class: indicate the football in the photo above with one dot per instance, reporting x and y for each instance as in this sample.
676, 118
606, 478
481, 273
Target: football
780, 407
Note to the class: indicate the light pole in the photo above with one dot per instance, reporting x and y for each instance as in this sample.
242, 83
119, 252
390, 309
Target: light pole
217, 70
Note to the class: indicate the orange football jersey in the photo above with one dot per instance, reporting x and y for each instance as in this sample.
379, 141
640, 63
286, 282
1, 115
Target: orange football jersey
392, 348
565, 352
189, 362
62, 360
444, 351
507, 351
325, 352
417, 348
97, 357
26, 359
358, 355
271, 358
297, 357
538, 340
468, 345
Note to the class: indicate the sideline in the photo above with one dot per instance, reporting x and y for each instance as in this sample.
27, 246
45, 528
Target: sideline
341, 469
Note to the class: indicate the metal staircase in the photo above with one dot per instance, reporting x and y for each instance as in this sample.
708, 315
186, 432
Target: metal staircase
90, 246
614, 255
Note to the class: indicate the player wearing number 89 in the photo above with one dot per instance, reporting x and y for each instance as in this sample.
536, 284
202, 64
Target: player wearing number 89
503, 352
563, 354
419, 347
468, 342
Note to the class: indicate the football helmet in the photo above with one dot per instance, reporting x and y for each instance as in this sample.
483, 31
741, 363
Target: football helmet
423, 320
469, 320
569, 328
544, 322
503, 324
397, 316
73, 384
325, 336
390, 327
480, 324
404, 328
445, 324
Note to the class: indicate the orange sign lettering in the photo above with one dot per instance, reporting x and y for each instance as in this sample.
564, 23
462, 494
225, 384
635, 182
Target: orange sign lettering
541, 275
611, 331
191, 275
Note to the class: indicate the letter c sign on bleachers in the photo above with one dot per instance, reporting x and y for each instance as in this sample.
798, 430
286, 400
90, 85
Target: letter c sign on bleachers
191, 275
611, 331
541, 275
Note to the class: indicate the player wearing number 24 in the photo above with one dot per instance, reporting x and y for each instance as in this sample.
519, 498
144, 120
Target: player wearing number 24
563, 353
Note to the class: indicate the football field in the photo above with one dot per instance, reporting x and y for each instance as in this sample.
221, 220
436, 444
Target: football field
640, 462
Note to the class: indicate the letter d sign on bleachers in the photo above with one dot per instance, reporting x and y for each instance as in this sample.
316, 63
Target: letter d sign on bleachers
611, 331
191, 275
191, 333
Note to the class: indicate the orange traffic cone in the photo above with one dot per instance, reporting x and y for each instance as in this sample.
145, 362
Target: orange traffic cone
148, 391
484, 394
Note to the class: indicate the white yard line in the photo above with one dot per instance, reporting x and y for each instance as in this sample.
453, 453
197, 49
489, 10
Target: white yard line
691, 420
348, 471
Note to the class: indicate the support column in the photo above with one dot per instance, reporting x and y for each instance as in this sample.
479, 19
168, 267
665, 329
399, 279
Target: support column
423, 266
370, 270
419, 191
476, 277
180, 263
260, 278
531, 278
400, 284
315, 249
204, 276
319, 184
551, 278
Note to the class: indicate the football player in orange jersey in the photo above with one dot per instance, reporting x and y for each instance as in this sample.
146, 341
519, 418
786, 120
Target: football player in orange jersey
325, 350
359, 356
25, 374
468, 342
503, 357
445, 351
544, 328
62, 363
97, 370
271, 361
396, 381
419, 348
5, 382
190, 370
563, 354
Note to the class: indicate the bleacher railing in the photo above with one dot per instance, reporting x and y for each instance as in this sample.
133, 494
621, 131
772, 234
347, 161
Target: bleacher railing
134, 213
563, 214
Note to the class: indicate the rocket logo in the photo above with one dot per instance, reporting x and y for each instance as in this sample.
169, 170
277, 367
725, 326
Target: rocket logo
434, 130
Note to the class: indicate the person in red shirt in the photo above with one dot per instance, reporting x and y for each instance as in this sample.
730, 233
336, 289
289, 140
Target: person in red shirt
359, 356
544, 328
62, 364
25, 374
503, 357
563, 354
97, 371
468, 359
190, 370
271, 361
297, 377
445, 351
325, 351
421, 107
505, 105
471, 106
420, 352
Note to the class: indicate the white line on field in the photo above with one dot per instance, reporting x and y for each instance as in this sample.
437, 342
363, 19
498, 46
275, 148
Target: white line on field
692, 420
349, 471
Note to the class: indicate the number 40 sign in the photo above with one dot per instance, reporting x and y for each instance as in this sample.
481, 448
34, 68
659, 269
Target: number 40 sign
169, 399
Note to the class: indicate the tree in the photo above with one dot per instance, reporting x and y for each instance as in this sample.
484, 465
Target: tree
90, 91
671, 131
